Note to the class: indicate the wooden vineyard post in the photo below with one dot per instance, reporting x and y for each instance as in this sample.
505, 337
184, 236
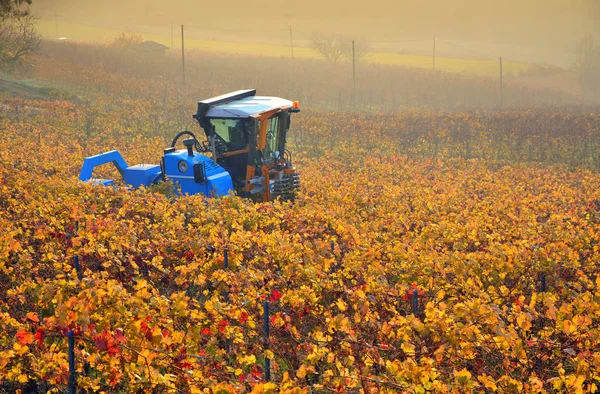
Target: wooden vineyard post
266, 339
183, 57
501, 84
291, 42
415, 302
72, 379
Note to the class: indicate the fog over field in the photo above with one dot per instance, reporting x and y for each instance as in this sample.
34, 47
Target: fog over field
533, 30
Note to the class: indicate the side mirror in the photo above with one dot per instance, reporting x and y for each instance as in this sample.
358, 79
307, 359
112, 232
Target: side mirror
199, 174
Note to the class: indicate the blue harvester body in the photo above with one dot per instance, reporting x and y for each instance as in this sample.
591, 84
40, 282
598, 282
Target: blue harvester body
192, 174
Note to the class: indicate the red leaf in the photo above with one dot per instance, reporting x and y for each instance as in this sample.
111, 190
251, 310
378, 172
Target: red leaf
101, 341
119, 336
40, 335
275, 295
24, 337
256, 372
205, 331
146, 330
222, 324
113, 349
243, 317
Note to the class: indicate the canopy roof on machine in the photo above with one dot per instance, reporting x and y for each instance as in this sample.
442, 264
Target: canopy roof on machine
247, 106
239, 104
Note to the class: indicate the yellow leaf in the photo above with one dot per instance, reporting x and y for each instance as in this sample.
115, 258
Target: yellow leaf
408, 348
569, 327
349, 361
269, 354
439, 353
249, 359
463, 376
575, 383
301, 372
361, 294
523, 321
488, 382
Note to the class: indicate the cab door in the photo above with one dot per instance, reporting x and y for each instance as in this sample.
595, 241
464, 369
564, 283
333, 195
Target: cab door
271, 151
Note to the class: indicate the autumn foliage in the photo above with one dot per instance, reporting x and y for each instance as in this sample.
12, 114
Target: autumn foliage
426, 252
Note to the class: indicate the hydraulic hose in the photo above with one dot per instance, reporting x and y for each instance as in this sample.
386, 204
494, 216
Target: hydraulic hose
186, 132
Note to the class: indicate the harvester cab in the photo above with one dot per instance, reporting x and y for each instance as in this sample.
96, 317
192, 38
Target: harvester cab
245, 151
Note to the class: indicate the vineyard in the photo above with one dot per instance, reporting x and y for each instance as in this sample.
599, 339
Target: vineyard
431, 248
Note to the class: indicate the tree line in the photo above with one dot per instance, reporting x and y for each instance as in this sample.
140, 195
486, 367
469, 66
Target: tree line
18, 36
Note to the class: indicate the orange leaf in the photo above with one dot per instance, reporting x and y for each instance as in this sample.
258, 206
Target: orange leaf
33, 317
24, 337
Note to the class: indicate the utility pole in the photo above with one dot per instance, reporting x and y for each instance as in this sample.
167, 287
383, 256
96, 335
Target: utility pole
501, 84
353, 71
434, 39
291, 41
182, 56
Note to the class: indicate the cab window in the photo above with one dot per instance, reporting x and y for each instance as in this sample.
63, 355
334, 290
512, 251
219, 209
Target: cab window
234, 132
272, 145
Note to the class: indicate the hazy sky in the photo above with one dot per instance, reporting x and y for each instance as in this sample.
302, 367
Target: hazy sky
542, 23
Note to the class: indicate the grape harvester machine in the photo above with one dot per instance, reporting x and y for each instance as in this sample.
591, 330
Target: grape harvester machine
244, 151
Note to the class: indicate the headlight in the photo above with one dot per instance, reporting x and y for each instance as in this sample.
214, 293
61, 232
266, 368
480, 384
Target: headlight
182, 166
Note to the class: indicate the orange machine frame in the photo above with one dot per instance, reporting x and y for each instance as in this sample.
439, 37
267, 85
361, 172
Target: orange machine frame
262, 117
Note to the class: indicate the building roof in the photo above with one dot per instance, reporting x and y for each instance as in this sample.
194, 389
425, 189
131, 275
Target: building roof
148, 46
246, 106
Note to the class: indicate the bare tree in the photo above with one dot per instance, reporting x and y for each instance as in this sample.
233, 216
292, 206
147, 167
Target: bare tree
593, 14
13, 8
361, 49
126, 38
587, 63
331, 47
18, 36
336, 48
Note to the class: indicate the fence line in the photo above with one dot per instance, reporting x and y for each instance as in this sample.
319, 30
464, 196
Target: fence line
283, 34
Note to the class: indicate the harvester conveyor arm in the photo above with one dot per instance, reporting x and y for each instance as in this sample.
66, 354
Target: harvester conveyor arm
94, 161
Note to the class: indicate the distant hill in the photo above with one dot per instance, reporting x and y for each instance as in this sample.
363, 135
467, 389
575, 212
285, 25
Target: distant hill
545, 23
